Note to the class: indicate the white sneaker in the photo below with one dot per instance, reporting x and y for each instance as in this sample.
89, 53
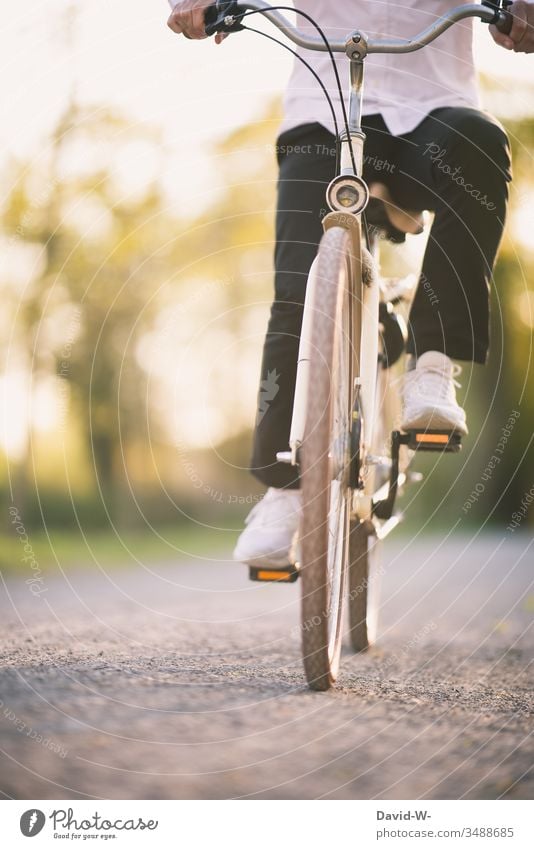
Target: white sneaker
270, 535
429, 400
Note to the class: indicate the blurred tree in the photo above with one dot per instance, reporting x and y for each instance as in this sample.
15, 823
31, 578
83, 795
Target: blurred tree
88, 297
224, 276
509, 376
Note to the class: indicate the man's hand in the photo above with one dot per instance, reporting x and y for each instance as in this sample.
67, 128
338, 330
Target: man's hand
187, 18
521, 36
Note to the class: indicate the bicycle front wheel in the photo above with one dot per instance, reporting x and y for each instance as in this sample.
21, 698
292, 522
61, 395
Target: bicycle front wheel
326, 454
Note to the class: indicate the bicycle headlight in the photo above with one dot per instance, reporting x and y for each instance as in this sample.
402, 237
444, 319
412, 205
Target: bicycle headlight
347, 194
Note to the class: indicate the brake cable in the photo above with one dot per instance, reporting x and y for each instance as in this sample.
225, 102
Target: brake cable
241, 15
312, 71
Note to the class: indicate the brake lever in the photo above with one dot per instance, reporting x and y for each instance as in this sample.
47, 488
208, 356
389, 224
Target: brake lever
221, 17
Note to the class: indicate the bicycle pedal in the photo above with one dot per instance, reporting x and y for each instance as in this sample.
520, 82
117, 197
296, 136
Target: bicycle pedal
287, 575
432, 440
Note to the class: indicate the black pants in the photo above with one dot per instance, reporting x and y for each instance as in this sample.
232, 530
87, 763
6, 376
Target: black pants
455, 163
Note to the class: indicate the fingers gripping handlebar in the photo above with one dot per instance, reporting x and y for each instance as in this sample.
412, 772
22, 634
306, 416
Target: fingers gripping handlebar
503, 18
215, 16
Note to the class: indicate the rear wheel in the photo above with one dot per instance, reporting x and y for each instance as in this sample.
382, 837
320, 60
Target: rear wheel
364, 579
325, 456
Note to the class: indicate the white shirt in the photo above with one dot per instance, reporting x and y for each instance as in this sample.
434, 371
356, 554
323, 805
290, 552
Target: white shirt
402, 88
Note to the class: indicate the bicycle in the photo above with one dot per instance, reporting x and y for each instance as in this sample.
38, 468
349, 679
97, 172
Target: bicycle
351, 458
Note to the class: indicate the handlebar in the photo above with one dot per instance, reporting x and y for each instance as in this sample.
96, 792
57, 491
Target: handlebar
224, 16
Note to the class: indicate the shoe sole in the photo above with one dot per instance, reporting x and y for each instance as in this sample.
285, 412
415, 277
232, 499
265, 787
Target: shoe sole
265, 561
435, 421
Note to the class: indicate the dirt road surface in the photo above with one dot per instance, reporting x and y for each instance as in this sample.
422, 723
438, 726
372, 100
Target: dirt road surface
183, 680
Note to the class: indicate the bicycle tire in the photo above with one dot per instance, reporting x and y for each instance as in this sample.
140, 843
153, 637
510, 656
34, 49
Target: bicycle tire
363, 570
325, 456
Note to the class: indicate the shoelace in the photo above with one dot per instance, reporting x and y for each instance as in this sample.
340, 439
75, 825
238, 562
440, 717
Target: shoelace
432, 370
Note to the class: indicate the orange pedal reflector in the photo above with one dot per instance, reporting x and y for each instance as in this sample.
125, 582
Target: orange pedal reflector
285, 576
432, 440
432, 437
264, 575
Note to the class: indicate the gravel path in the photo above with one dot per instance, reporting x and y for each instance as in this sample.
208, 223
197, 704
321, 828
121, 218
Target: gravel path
184, 680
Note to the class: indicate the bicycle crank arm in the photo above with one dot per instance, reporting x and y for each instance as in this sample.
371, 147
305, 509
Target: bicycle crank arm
381, 494
382, 530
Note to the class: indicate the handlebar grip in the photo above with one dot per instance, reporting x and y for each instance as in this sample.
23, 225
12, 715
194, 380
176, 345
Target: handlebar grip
505, 22
214, 17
